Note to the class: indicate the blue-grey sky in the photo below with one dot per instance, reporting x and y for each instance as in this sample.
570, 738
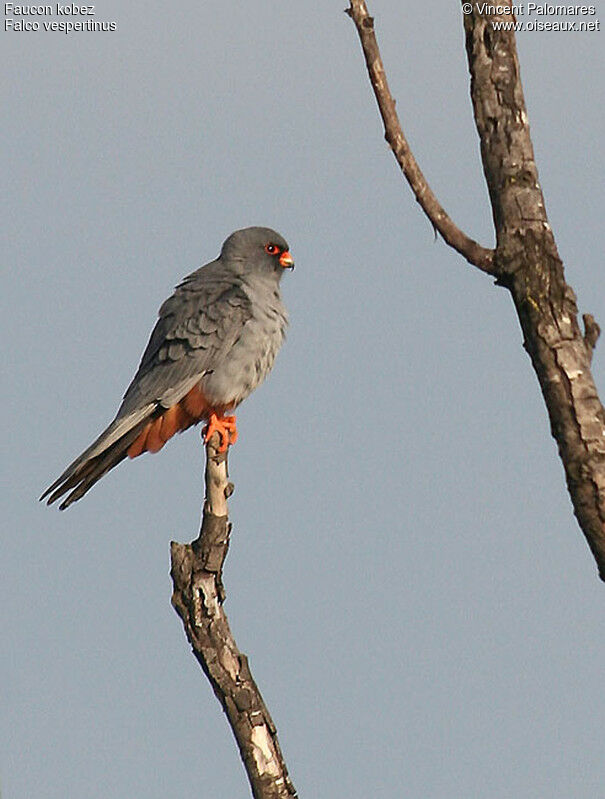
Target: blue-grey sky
406, 575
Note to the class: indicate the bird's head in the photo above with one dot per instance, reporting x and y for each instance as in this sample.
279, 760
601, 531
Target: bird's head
258, 249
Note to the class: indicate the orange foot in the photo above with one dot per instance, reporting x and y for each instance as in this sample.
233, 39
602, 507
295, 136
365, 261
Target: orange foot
224, 426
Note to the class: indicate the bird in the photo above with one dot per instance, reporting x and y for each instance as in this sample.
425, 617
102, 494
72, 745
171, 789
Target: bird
214, 342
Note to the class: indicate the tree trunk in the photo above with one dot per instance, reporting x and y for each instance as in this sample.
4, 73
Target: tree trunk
525, 259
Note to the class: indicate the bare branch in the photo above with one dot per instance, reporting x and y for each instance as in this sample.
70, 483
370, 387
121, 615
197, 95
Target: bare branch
526, 260
473, 252
198, 599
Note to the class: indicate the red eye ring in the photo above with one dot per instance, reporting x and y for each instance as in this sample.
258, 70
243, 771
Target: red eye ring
272, 249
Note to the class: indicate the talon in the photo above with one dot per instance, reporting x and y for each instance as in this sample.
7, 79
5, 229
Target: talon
224, 426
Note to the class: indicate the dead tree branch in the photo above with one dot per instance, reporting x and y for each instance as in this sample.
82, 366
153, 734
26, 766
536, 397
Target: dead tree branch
198, 599
525, 260
474, 253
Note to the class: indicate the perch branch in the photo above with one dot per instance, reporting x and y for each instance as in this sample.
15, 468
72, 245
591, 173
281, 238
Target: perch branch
474, 253
198, 599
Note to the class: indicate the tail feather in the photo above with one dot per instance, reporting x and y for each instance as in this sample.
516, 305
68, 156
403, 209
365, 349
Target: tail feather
95, 469
144, 429
109, 449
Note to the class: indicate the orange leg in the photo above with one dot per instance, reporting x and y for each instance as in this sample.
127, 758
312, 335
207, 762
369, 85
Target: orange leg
224, 426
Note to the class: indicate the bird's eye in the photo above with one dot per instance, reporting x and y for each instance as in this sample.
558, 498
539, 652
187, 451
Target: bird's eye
272, 249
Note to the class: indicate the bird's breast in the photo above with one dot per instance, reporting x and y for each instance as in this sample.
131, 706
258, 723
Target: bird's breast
250, 358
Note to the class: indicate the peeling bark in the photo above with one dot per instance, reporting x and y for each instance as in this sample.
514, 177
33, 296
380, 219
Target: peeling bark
198, 599
526, 260
528, 263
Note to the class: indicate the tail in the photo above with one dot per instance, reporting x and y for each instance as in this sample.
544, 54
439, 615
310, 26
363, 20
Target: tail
145, 429
109, 449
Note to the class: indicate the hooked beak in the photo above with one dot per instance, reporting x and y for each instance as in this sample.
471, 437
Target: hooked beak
286, 260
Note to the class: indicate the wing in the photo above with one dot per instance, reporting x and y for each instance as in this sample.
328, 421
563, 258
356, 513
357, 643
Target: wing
196, 328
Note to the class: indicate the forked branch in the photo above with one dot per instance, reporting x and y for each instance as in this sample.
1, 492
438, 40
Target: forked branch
525, 260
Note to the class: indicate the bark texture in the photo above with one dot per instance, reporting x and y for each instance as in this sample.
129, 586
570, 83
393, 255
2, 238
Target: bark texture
528, 263
198, 599
525, 260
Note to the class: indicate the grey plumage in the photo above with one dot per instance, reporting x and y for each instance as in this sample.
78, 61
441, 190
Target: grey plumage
220, 331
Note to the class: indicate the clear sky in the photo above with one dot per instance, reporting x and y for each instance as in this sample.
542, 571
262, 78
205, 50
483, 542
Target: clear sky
406, 575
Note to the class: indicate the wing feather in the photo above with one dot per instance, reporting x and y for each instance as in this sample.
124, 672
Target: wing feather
196, 328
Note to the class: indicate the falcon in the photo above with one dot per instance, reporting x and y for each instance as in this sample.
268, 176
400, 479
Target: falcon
215, 341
